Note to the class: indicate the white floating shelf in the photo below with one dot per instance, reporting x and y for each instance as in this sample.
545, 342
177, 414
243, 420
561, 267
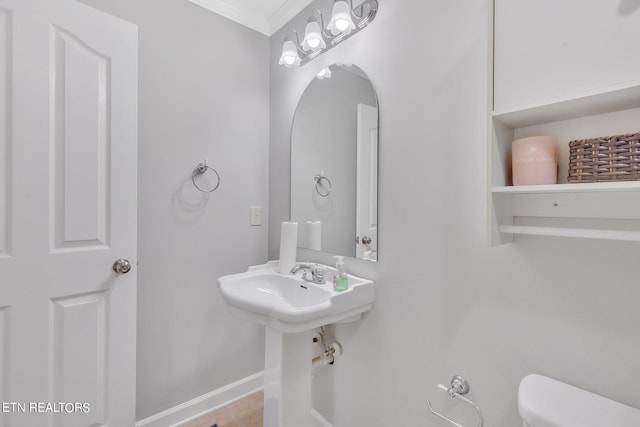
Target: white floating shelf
602, 210
572, 232
621, 97
568, 188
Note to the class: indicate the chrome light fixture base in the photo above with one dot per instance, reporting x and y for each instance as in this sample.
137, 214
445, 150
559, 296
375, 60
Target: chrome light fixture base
361, 16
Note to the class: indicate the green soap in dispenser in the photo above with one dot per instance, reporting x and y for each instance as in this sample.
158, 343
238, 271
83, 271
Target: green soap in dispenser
340, 280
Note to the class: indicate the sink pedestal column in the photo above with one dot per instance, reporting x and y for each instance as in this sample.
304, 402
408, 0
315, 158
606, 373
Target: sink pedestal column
287, 379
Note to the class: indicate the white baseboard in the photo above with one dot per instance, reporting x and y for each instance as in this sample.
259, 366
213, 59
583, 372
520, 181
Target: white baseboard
320, 419
205, 403
194, 408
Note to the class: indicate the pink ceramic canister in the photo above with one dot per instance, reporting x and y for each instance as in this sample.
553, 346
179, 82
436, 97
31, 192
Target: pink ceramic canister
535, 160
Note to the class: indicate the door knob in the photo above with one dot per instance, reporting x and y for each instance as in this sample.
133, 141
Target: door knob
366, 240
122, 266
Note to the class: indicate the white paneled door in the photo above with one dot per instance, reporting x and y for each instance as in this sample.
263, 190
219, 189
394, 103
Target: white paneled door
68, 145
367, 183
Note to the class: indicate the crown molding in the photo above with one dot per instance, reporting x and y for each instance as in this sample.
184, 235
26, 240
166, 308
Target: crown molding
241, 15
248, 17
285, 13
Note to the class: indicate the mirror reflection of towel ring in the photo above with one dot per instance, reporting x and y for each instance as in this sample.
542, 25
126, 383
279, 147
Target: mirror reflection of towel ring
201, 169
318, 179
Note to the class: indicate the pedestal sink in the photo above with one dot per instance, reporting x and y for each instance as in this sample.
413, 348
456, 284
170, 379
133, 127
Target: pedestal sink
291, 308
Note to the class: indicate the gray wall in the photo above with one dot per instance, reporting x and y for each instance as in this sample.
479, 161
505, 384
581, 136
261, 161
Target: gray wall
447, 303
324, 135
204, 89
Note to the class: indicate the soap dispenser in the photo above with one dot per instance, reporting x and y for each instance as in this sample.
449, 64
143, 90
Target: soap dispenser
340, 280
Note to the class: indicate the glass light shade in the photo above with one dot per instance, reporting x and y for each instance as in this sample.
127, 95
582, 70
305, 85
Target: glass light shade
341, 22
290, 57
313, 37
325, 73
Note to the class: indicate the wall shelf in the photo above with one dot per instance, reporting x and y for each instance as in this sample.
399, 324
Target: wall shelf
572, 232
596, 187
542, 86
605, 210
615, 98
602, 210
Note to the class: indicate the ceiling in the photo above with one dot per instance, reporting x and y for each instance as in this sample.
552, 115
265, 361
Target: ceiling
265, 16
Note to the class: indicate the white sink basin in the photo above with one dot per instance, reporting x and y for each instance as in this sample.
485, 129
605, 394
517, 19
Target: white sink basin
289, 304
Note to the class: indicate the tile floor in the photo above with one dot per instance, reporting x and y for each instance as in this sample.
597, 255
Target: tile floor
246, 412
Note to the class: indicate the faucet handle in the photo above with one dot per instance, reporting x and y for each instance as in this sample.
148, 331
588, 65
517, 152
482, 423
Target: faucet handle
300, 266
318, 273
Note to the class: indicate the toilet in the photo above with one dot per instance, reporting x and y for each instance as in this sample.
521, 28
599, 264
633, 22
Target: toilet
545, 402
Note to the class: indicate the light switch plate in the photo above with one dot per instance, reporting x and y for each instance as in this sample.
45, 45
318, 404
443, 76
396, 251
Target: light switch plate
255, 215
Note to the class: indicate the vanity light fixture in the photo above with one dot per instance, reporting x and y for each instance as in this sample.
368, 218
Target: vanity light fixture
289, 57
341, 22
345, 22
313, 39
325, 73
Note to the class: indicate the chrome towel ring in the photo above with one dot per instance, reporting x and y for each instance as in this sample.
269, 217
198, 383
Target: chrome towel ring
319, 178
201, 169
459, 386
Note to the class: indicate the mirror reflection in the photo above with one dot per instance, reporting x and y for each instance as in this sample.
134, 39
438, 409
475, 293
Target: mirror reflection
334, 164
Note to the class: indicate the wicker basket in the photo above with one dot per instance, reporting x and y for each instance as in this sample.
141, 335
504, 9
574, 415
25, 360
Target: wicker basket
612, 158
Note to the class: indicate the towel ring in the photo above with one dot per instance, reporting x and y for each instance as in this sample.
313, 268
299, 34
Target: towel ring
459, 386
201, 169
318, 179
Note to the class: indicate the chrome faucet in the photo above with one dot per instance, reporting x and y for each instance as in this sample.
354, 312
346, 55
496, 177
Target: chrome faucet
313, 273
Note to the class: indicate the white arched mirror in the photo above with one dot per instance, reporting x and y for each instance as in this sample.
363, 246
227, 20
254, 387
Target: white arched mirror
334, 164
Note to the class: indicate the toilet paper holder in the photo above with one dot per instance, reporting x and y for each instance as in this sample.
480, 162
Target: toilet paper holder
459, 386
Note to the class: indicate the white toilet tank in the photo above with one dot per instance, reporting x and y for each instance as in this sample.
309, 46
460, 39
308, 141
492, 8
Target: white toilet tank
545, 402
